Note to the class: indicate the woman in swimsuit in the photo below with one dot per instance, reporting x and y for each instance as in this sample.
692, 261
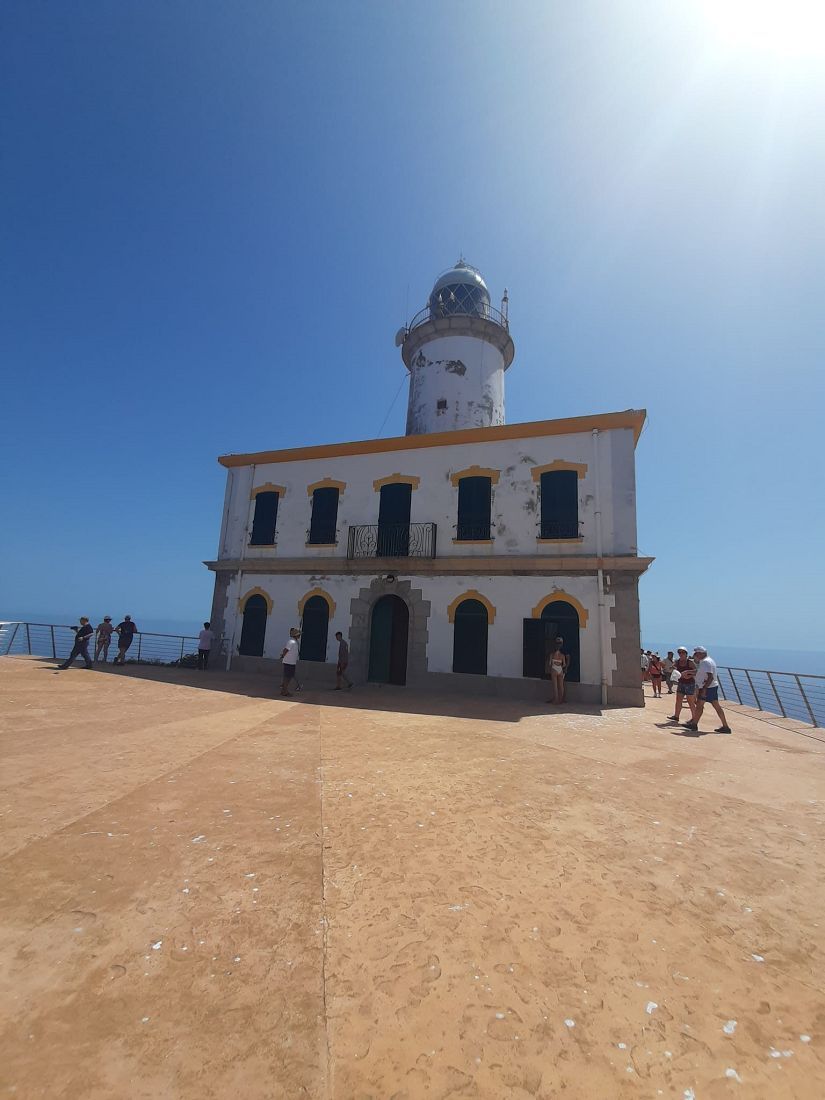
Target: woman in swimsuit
557, 668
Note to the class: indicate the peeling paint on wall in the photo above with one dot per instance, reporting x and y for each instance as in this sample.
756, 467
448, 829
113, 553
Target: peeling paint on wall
455, 366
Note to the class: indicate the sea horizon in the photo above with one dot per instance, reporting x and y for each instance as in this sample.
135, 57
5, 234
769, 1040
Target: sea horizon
810, 662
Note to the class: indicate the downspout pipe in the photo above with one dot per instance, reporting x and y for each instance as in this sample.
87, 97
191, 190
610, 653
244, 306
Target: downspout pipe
601, 611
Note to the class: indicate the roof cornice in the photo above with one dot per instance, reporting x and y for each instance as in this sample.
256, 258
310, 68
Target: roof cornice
632, 419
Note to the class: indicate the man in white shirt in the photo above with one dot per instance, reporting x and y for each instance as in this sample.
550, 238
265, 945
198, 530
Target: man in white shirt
204, 646
289, 660
707, 690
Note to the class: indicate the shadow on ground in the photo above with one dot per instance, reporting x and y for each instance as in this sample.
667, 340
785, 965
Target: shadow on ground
373, 697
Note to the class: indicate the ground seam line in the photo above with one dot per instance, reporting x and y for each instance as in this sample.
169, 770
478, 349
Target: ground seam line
132, 790
324, 923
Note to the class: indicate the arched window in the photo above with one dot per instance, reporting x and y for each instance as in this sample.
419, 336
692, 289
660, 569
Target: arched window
470, 638
265, 519
314, 629
560, 504
253, 631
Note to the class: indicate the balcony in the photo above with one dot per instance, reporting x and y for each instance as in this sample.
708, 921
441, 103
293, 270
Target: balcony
554, 529
392, 540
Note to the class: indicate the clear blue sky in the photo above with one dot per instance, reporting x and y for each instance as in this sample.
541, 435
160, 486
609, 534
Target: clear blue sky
215, 216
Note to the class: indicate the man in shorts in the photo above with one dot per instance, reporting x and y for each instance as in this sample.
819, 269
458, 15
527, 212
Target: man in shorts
707, 691
289, 661
125, 634
343, 661
685, 686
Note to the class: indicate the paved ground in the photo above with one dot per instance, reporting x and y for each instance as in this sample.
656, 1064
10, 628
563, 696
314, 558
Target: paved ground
208, 893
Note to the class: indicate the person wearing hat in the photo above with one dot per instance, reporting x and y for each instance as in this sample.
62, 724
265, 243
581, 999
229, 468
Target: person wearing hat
685, 686
707, 691
289, 661
103, 638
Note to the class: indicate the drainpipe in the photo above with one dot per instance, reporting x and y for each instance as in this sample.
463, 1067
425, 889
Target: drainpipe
244, 532
601, 617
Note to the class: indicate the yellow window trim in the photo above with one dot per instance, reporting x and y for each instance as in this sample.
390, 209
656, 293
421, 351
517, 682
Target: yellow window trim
320, 545
326, 483
396, 479
476, 471
242, 602
472, 542
554, 597
267, 488
559, 464
472, 594
316, 592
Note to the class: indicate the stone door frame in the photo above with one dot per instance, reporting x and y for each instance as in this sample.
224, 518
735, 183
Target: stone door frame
361, 614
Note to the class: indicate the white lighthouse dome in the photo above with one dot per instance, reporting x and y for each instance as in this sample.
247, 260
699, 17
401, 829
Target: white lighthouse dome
461, 290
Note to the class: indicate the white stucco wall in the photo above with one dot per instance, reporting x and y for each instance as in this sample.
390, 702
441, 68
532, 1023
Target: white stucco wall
464, 372
515, 505
512, 597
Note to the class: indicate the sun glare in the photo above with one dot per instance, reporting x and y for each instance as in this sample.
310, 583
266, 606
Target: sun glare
783, 28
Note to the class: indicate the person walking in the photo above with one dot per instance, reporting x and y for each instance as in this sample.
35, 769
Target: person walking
654, 670
667, 670
82, 635
103, 638
685, 685
343, 661
289, 661
125, 634
557, 664
707, 691
204, 646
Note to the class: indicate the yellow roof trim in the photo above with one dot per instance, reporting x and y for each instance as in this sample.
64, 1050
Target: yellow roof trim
631, 418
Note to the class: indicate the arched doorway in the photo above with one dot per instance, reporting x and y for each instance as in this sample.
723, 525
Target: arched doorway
389, 628
314, 629
559, 619
470, 637
253, 631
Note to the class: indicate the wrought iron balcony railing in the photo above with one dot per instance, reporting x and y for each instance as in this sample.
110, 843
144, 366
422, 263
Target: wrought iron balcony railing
484, 311
392, 540
472, 532
560, 529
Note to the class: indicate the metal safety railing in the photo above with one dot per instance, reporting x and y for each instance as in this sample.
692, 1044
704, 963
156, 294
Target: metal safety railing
796, 695
56, 640
481, 310
392, 540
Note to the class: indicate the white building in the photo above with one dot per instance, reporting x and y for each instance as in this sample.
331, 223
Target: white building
451, 556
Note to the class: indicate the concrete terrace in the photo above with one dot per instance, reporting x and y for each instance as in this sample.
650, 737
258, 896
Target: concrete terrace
209, 892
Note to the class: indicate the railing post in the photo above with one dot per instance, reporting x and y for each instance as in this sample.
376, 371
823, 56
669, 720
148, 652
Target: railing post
54, 651
776, 693
805, 698
181, 647
28, 640
140, 636
13, 636
756, 697
735, 686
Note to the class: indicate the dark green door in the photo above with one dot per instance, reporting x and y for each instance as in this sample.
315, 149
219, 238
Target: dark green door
389, 628
394, 521
253, 630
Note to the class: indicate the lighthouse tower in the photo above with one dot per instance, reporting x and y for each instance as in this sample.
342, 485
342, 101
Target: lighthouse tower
457, 350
